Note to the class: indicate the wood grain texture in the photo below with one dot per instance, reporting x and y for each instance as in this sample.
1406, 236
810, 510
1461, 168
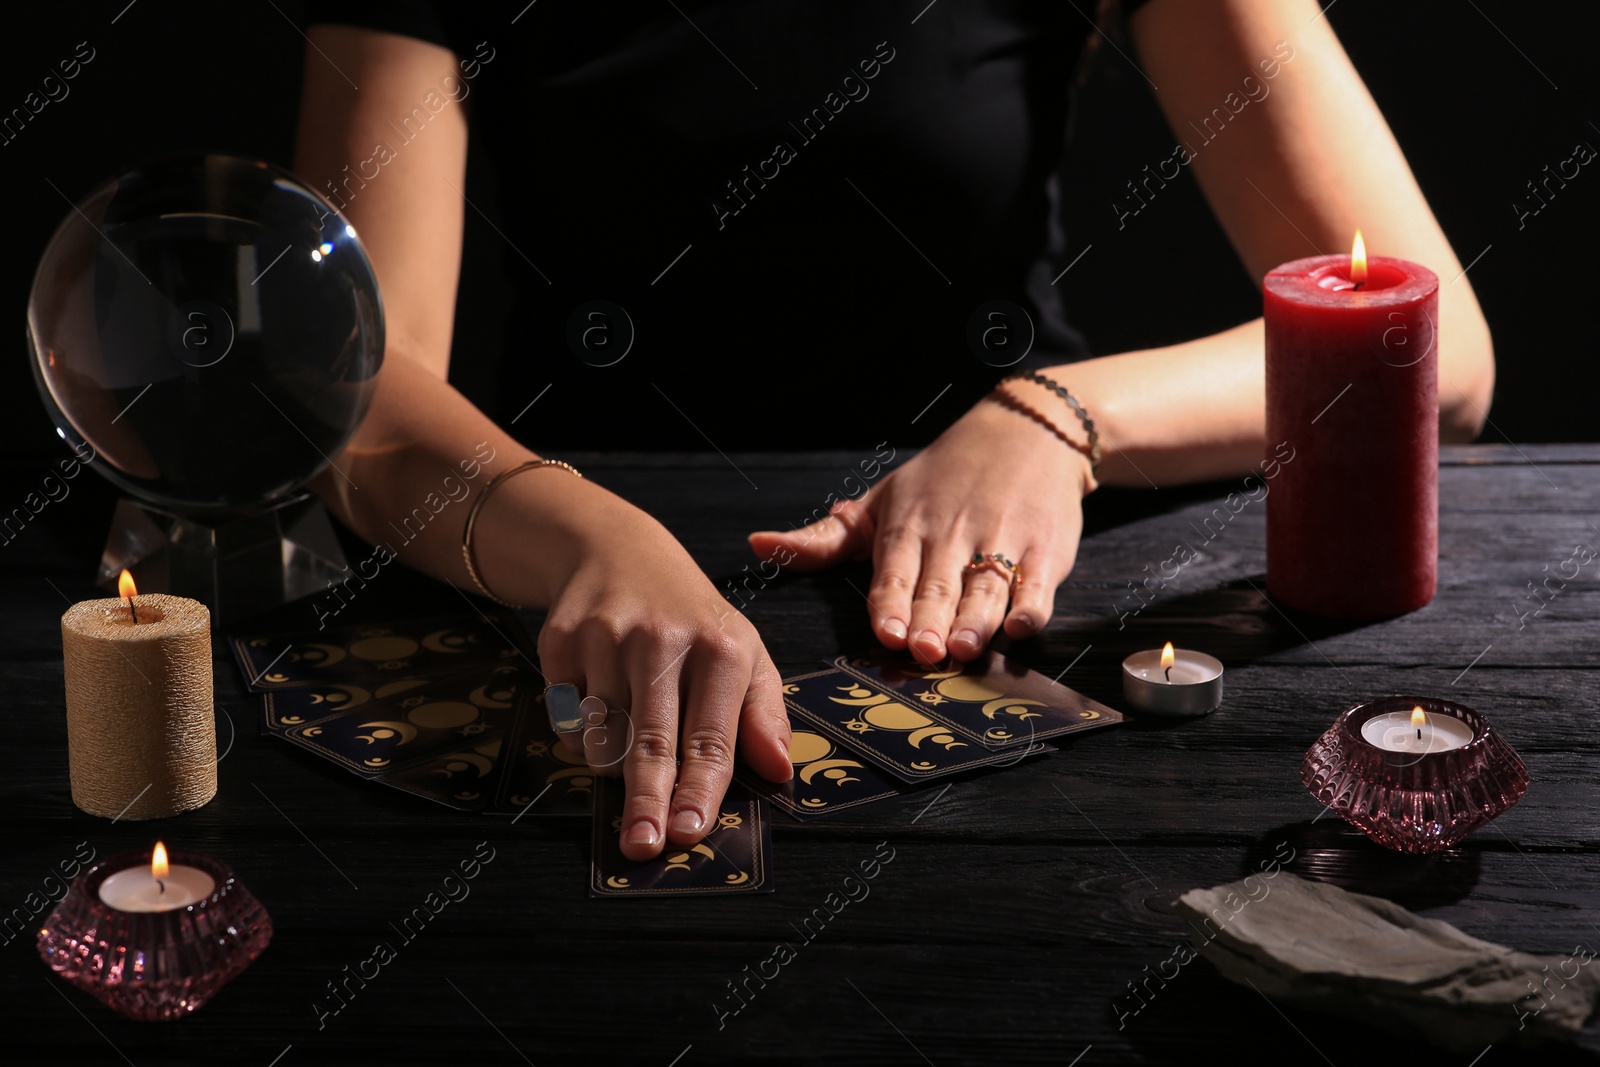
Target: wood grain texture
1020, 910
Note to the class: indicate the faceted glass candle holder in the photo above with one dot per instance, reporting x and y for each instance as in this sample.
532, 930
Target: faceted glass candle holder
1413, 801
154, 965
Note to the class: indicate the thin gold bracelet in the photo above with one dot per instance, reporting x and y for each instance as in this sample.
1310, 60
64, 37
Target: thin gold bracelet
467, 553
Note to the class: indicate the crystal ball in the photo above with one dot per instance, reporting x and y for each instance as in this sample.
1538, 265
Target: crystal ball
210, 328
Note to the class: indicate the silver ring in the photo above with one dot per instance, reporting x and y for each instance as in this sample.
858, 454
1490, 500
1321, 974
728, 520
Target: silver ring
562, 703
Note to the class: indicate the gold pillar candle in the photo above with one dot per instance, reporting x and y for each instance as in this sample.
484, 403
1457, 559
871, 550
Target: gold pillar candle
141, 736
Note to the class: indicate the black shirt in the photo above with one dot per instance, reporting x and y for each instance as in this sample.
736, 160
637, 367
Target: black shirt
804, 208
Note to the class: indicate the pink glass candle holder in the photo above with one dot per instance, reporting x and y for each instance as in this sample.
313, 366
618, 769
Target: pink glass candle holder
152, 965
1420, 800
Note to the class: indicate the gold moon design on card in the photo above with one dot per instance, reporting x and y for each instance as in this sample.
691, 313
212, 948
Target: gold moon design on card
939, 735
443, 715
738, 879
893, 716
384, 729
346, 696
389, 647
330, 654
826, 768
806, 747
966, 689
395, 688
468, 760
480, 696
1012, 706
616, 882
442, 641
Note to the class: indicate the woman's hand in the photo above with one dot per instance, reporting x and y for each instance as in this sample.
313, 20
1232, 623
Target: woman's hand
1000, 480
636, 625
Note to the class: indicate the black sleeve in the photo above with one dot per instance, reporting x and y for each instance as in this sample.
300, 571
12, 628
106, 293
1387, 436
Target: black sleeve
408, 18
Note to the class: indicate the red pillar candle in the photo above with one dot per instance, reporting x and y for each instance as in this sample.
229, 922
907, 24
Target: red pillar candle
1352, 388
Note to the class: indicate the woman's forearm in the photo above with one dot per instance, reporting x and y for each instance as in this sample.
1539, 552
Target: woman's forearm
1197, 410
423, 455
405, 481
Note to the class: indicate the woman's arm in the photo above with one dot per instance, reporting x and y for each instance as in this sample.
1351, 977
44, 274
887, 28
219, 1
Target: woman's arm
1293, 172
1303, 159
631, 620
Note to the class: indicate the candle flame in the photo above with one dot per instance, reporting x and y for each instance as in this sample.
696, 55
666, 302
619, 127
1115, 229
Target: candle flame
1418, 719
125, 586
1167, 656
1358, 260
158, 861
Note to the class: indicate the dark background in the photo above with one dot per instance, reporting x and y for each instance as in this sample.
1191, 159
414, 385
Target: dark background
1478, 115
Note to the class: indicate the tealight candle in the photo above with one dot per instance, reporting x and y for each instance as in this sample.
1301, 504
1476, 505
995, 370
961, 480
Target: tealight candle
1172, 681
162, 886
1414, 773
153, 939
1414, 731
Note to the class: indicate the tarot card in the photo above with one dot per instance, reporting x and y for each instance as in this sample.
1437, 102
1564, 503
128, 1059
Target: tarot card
994, 699
891, 733
465, 779
374, 735
410, 648
542, 776
732, 858
827, 777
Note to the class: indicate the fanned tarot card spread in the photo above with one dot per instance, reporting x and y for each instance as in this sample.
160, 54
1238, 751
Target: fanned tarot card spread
993, 700
412, 648
886, 730
732, 858
392, 723
827, 776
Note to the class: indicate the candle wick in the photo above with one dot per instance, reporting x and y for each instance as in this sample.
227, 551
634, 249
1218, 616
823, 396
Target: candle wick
161, 887
1169, 674
132, 611
1419, 733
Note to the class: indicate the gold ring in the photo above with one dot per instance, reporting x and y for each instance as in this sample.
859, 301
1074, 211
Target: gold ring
980, 560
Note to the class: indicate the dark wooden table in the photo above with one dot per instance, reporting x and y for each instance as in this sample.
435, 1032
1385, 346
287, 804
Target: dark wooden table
1019, 905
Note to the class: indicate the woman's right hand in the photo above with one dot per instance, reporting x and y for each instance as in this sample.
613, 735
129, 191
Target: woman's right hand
634, 622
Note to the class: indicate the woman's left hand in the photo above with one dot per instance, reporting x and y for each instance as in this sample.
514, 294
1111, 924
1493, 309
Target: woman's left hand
997, 481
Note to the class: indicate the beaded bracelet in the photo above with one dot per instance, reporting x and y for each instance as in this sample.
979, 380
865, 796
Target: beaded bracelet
467, 553
1072, 402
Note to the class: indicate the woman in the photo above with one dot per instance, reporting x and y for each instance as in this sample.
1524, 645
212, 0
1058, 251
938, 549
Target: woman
817, 191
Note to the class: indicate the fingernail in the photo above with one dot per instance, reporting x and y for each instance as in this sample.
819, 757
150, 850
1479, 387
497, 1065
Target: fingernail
783, 743
966, 637
643, 833
687, 821
894, 628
